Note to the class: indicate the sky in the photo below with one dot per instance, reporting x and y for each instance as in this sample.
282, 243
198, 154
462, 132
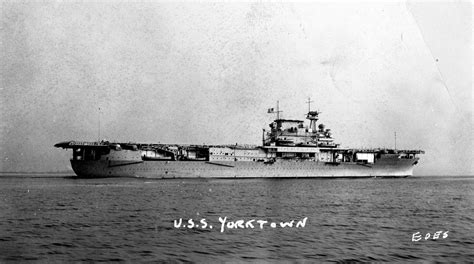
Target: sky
207, 72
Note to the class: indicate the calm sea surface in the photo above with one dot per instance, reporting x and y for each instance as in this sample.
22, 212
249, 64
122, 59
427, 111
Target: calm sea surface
45, 219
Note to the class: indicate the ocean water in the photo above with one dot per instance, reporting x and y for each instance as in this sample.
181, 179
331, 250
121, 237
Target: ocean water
63, 219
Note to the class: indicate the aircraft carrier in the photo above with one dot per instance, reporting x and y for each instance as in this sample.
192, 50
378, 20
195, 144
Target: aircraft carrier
290, 149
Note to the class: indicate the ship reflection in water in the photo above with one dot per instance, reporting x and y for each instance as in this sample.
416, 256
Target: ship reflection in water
290, 149
132, 220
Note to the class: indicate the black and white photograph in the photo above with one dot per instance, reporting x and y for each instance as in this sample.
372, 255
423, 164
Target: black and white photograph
236, 132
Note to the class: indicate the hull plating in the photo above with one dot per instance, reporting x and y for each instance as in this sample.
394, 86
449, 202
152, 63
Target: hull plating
203, 169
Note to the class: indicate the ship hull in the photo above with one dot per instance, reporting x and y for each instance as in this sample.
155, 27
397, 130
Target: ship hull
202, 169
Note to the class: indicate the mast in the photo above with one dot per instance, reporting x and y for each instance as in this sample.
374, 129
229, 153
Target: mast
312, 116
278, 110
395, 140
309, 104
98, 138
272, 110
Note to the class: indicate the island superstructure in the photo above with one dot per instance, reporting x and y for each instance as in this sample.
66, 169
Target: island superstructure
290, 149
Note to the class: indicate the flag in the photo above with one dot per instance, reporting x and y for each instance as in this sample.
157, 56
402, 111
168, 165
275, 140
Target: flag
271, 110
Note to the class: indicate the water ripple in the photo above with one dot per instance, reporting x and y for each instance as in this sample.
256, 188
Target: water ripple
129, 220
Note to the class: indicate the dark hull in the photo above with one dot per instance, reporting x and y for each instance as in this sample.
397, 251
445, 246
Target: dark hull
280, 169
